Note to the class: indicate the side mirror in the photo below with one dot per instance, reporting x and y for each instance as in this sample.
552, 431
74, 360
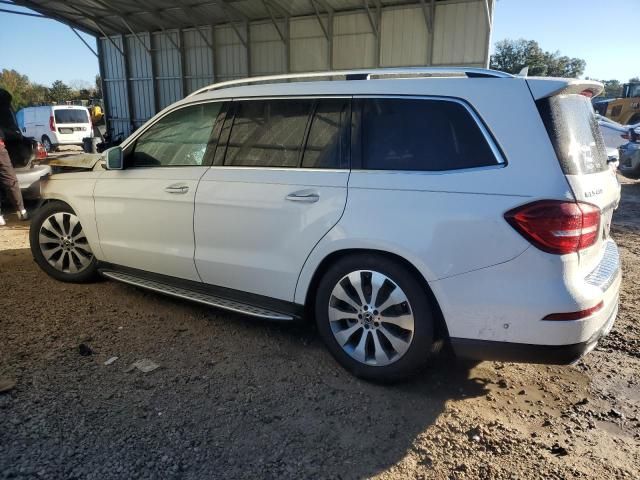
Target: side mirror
114, 158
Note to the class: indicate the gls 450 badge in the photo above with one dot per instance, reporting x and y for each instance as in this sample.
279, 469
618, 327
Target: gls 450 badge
593, 193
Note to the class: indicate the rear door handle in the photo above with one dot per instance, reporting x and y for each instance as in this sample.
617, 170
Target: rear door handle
177, 188
305, 196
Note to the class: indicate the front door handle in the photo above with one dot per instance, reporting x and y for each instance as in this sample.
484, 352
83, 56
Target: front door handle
177, 188
305, 196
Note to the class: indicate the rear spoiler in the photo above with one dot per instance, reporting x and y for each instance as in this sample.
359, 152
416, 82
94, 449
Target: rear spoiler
543, 87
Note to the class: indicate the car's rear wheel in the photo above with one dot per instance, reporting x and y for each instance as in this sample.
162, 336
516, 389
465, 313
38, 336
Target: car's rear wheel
375, 317
60, 246
46, 143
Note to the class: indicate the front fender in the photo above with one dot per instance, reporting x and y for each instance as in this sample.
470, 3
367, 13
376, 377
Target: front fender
76, 190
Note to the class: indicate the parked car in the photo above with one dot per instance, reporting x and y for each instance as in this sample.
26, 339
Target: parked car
630, 160
26, 155
615, 134
56, 125
402, 208
31, 175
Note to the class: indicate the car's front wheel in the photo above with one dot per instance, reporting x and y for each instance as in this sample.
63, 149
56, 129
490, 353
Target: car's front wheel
375, 317
60, 246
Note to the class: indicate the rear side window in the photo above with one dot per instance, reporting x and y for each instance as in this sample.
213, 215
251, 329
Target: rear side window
326, 141
71, 116
425, 135
574, 133
268, 133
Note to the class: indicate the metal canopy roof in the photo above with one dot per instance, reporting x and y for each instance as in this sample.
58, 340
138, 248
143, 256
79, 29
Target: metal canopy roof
115, 17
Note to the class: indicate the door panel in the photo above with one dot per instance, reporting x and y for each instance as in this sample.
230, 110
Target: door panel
145, 224
145, 213
250, 237
258, 217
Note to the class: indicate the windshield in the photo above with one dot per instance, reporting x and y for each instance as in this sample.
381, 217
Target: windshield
575, 134
71, 116
634, 90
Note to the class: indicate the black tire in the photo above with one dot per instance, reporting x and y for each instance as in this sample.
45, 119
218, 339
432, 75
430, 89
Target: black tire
87, 274
46, 143
635, 119
421, 345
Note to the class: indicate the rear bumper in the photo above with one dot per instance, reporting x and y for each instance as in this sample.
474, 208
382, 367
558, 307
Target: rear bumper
28, 178
73, 141
527, 353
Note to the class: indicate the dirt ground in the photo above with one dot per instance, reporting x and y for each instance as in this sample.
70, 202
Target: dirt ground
239, 398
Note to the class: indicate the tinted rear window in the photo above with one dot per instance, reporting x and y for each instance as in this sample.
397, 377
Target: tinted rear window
326, 138
268, 133
71, 116
574, 133
427, 135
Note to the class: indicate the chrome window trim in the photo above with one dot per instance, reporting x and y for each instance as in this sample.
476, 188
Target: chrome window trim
284, 169
497, 166
495, 150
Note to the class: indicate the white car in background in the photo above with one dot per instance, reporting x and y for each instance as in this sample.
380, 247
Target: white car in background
613, 133
616, 136
400, 208
55, 125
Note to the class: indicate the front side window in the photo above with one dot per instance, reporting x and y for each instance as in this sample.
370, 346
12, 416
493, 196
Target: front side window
268, 133
421, 134
181, 138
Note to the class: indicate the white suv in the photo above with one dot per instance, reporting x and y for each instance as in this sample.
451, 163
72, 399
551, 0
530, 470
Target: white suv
402, 208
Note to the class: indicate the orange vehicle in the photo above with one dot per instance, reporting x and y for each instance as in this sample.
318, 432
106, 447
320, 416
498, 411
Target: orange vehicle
625, 110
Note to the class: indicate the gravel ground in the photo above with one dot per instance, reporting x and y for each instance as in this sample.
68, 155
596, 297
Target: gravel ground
236, 398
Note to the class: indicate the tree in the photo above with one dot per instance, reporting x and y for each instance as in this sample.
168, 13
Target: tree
17, 85
612, 88
26, 93
98, 87
513, 55
634, 80
59, 92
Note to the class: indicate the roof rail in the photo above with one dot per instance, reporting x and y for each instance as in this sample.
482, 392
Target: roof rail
363, 74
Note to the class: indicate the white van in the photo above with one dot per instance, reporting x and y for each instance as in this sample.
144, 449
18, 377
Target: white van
55, 125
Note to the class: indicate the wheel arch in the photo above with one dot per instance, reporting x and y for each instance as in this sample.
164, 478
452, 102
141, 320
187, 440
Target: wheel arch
441, 331
82, 205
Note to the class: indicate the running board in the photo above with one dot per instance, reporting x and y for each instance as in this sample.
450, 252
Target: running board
199, 297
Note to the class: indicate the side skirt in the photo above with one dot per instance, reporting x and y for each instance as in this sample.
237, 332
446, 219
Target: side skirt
219, 297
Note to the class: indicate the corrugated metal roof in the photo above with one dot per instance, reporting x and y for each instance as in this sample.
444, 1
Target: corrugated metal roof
112, 17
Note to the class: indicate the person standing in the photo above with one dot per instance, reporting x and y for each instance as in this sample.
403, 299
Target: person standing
8, 181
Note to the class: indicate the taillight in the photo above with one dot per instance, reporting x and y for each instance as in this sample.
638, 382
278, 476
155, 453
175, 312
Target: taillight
52, 124
41, 152
557, 226
625, 136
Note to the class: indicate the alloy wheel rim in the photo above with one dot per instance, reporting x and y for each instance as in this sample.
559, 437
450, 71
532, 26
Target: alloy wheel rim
64, 244
371, 318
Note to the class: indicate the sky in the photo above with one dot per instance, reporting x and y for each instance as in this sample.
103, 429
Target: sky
603, 32
594, 30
